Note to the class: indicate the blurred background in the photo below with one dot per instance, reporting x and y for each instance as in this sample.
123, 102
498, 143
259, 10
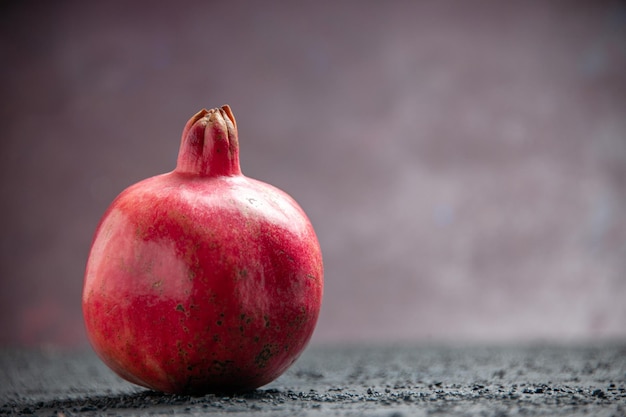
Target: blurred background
463, 162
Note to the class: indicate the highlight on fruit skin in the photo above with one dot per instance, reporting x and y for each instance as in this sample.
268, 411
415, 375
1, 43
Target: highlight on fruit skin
202, 279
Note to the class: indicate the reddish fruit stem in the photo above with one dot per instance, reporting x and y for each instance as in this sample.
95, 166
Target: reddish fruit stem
209, 146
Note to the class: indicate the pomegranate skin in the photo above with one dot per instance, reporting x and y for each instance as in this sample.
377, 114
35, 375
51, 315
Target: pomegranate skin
203, 280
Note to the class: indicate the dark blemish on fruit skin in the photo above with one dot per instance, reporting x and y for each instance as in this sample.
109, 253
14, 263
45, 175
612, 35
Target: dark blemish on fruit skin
245, 318
264, 356
299, 320
180, 307
191, 275
181, 352
221, 367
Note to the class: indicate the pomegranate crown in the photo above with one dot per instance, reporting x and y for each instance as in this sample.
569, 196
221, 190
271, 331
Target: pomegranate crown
209, 146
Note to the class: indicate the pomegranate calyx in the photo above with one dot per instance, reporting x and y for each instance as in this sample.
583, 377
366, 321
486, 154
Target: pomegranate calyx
209, 145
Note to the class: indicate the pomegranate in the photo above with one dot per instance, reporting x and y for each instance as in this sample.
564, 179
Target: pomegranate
202, 280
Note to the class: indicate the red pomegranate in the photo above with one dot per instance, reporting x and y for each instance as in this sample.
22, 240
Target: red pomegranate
203, 280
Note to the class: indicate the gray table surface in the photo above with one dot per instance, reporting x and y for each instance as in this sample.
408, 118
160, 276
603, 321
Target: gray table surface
388, 381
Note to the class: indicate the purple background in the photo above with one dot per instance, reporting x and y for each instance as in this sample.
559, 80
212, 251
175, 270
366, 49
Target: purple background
464, 163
